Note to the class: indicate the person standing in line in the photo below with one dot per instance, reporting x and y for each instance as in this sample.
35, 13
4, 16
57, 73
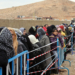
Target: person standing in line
6, 48
44, 40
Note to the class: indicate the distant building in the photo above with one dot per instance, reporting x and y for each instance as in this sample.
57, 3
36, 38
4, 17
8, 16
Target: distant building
38, 18
20, 16
47, 18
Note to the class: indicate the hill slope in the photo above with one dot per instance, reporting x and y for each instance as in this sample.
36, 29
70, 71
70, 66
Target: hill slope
61, 9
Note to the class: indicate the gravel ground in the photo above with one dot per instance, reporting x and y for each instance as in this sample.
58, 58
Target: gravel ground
66, 64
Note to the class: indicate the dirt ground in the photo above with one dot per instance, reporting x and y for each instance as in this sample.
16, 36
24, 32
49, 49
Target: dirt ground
66, 64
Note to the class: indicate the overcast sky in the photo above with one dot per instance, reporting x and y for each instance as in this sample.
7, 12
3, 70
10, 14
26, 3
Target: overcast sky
11, 3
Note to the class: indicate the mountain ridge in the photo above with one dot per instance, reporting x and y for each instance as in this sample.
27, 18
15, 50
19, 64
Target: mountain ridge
59, 9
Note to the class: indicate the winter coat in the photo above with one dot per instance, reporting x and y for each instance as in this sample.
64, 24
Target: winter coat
20, 50
67, 31
23, 46
20, 47
25, 40
53, 38
62, 33
36, 45
39, 52
6, 48
3, 58
44, 41
6, 42
45, 29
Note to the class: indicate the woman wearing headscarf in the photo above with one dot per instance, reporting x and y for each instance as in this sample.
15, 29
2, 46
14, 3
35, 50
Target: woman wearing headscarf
6, 48
62, 30
36, 44
17, 45
49, 29
25, 40
32, 30
44, 40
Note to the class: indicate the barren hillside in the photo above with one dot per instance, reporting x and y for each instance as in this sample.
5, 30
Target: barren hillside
60, 9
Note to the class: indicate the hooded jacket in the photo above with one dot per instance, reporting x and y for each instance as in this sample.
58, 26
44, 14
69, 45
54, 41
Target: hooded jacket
25, 40
6, 48
6, 42
45, 29
41, 32
44, 40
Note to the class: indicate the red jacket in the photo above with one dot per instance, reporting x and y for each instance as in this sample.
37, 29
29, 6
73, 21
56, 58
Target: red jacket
45, 29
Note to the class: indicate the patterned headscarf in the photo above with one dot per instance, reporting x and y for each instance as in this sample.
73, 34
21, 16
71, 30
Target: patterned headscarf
6, 42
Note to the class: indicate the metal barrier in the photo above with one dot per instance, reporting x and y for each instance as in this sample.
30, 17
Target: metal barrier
70, 40
60, 60
0, 71
11, 60
67, 43
61, 56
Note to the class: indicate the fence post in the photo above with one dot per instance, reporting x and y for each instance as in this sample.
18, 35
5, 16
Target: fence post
12, 67
27, 63
0, 71
21, 65
58, 51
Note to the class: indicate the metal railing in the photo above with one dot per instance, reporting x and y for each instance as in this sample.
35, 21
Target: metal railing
14, 68
24, 68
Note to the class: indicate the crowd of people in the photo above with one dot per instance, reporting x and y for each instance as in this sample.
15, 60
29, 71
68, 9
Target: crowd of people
14, 41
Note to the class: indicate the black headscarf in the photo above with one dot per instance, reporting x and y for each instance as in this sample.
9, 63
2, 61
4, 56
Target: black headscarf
50, 29
32, 30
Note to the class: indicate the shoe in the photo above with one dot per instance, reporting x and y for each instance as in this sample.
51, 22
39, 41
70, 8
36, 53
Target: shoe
62, 70
61, 66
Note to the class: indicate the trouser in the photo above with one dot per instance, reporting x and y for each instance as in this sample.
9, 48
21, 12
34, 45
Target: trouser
56, 64
56, 56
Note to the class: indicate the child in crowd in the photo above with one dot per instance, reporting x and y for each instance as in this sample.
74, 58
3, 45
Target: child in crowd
53, 38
